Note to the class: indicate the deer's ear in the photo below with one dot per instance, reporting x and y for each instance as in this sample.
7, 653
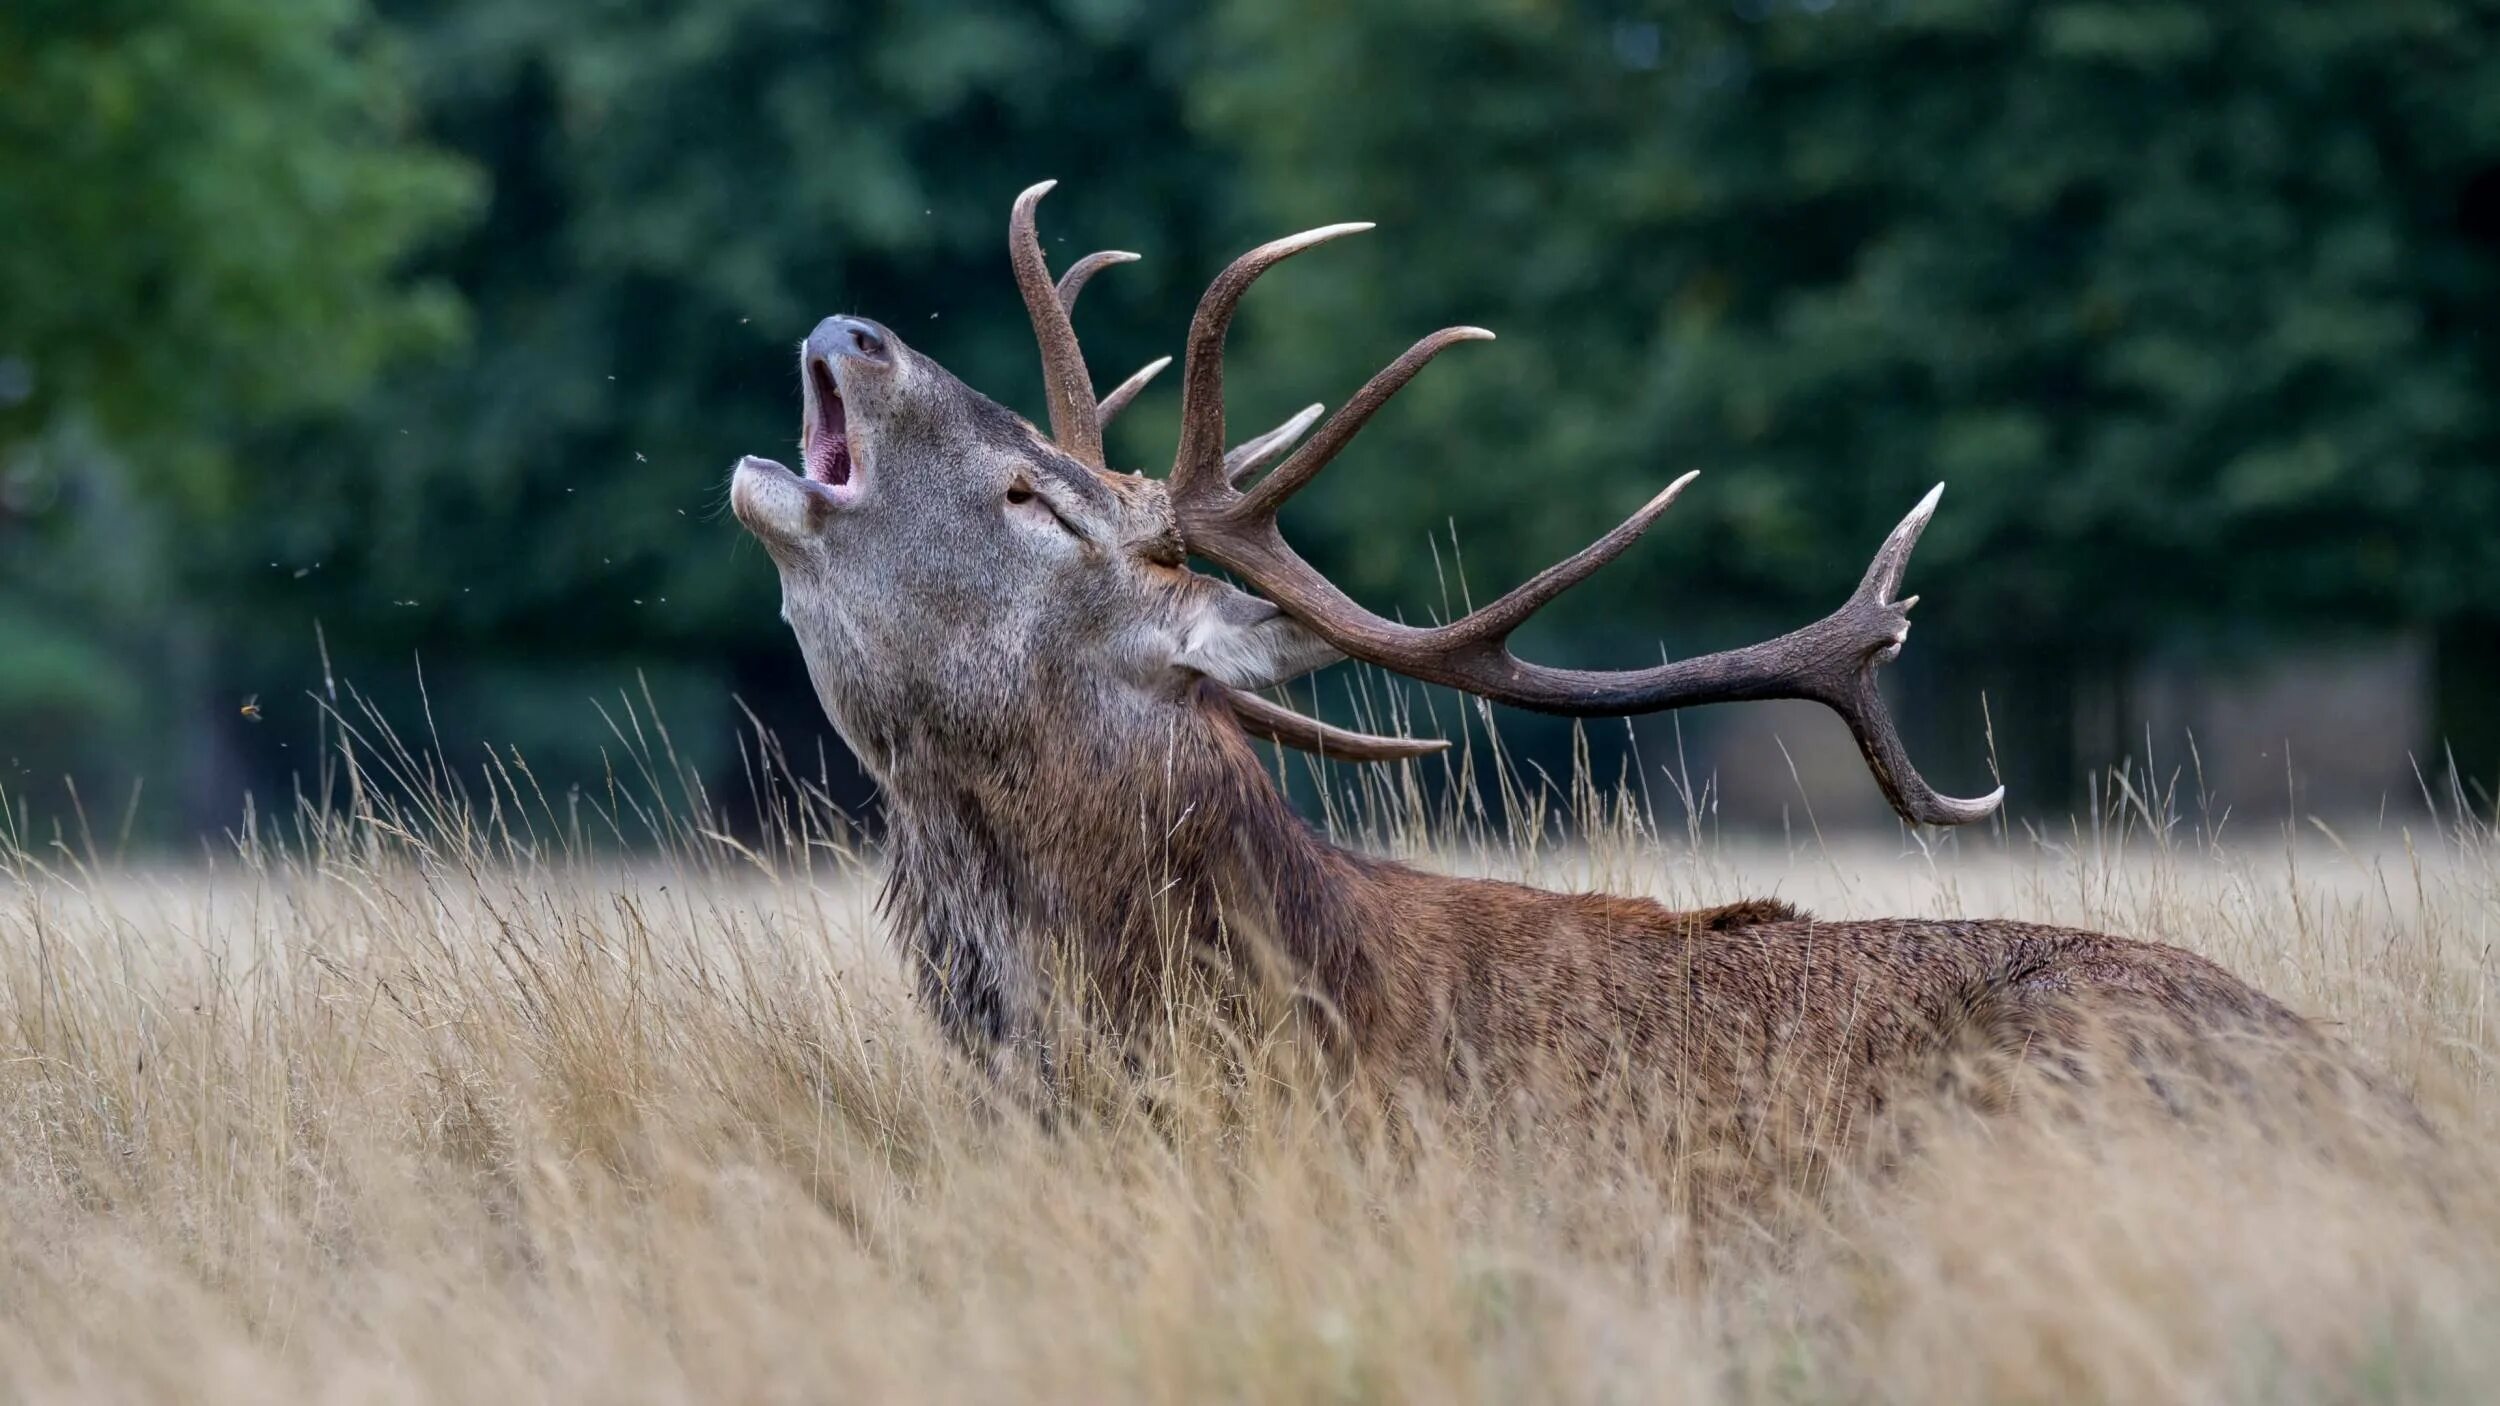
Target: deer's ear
1241, 641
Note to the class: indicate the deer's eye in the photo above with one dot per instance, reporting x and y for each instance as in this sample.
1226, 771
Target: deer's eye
1025, 502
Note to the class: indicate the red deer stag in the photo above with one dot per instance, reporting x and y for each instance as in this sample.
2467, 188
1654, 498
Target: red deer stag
1059, 713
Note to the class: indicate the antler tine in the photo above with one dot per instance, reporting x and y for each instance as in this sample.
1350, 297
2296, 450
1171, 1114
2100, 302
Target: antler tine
1127, 390
1067, 374
1082, 272
1496, 622
1911, 797
1072, 283
1883, 574
1075, 424
1245, 458
1870, 723
1292, 475
1198, 463
1278, 724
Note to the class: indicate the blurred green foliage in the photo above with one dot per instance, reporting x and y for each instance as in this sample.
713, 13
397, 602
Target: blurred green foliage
2187, 301
681, 192
207, 206
439, 321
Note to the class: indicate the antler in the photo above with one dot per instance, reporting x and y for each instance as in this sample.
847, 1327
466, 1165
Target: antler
1831, 661
1076, 422
1280, 724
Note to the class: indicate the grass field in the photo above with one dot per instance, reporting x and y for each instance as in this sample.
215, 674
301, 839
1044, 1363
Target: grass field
419, 1099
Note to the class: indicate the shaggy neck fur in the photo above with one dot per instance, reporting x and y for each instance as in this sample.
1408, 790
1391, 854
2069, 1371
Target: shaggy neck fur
1115, 859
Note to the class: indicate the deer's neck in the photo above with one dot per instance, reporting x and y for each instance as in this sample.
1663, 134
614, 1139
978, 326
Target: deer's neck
1114, 857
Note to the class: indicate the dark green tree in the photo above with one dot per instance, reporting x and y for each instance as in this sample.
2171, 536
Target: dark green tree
2185, 299
2188, 301
206, 203
678, 195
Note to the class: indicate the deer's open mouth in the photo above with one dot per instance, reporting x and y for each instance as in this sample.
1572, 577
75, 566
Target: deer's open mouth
825, 440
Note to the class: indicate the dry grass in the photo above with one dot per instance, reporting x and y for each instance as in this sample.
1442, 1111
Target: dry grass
415, 1099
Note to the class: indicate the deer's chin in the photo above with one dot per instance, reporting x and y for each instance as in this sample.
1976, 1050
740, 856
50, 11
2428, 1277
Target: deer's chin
779, 506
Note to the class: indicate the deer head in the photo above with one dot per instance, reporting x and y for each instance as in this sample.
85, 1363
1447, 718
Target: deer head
959, 578
947, 566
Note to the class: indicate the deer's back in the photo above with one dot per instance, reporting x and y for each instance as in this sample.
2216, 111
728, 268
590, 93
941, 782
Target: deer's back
1738, 1004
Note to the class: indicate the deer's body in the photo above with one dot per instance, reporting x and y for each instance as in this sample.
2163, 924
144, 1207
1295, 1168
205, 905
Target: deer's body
1059, 712
1110, 864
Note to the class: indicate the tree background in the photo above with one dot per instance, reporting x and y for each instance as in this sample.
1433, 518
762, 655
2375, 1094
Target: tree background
427, 329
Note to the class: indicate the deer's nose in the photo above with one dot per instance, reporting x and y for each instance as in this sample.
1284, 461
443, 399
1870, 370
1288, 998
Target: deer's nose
854, 337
